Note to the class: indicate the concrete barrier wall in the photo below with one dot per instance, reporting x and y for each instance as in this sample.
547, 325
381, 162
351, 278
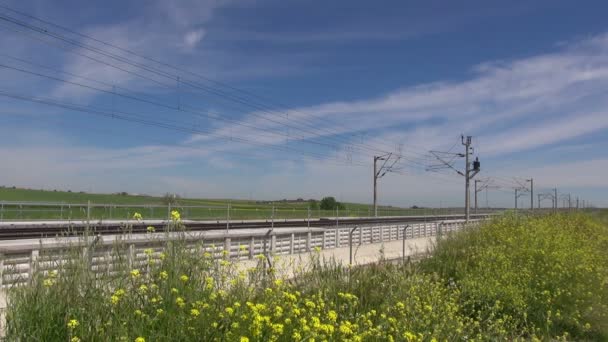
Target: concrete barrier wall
19, 260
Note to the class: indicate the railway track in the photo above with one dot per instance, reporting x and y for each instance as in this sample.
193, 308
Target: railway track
34, 231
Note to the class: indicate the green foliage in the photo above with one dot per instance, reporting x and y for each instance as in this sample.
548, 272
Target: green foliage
330, 203
515, 278
544, 276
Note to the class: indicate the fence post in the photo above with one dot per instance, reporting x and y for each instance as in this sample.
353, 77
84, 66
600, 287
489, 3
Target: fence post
308, 240
131, 256
291, 242
381, 233
403, 243
251, 247
350, 245
227, 250
33, 264
88, 211
324, 242
337, 237
1, 270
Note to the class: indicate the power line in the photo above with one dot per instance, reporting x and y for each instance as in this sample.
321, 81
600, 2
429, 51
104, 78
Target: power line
131, 52
144, 67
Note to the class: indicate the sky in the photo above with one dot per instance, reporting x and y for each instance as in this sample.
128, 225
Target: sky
293, 99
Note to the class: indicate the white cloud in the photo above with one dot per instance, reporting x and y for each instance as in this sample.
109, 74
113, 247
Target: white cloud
500, 99
192, 38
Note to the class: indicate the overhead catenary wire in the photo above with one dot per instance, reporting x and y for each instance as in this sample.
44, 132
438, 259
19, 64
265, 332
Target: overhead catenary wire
131, 52
139, 65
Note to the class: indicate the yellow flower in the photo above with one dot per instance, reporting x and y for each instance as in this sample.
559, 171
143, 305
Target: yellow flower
184, 278
143, 288
229, 311
135, 274
159, 311
48, 282
138, 312
162, 256
180, 302
151, 229
72, 324
175, 216
174, 290
163, 275
332, 315
75, 339
148, 251
137, 216
140, 339
114, 299
53, 274
195, 312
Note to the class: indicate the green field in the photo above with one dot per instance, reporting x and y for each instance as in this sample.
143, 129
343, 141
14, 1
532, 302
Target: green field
75, 205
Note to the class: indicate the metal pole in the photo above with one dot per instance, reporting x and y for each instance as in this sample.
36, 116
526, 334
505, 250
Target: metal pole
467, 180
375, 187
531, 194
515, 199
228, 217
476, 181
555, 194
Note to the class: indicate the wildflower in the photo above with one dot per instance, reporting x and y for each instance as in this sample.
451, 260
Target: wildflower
174, 290
159, 311
175, 216
195, 312
242, 248
309, 304
140, 339
244, 339
150, 229
180, 302
332, 315
135, 274
229, 311
148, 251
143, 288
47, 282
277, 329
72, 324
184, 278
278, 282
137, 216
162, 256
75, 339
114, 299
138, 312
317, 249
53, 274
163, 275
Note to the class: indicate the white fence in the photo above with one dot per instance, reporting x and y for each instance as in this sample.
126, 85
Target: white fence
19, 260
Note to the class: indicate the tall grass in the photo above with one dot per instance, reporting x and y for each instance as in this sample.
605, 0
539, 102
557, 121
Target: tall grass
528, 278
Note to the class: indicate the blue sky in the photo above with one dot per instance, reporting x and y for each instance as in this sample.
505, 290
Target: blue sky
335, 83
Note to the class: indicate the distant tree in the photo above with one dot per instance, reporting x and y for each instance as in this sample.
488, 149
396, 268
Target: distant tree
330, 203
